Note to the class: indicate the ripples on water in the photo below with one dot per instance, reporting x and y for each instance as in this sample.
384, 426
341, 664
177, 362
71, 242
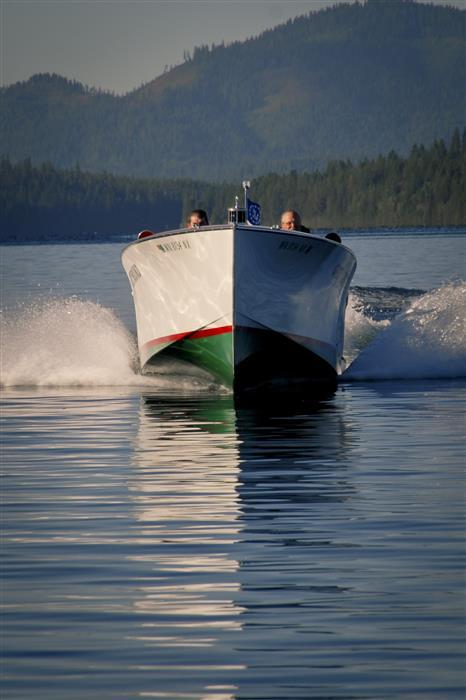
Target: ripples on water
159, 543
175, 547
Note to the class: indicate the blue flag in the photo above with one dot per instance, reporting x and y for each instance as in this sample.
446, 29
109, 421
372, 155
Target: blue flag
254, 213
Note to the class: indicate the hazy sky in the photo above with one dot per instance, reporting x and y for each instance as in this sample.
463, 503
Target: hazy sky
119, 44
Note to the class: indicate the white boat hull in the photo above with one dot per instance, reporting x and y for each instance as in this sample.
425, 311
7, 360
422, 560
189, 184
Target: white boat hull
258, 308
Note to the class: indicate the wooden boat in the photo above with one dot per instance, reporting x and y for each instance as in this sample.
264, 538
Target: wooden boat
260, 309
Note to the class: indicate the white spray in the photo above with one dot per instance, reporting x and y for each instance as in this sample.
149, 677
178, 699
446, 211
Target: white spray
428, 340
70, 342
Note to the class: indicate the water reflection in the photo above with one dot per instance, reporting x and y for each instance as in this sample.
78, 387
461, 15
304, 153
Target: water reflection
185, 498
232, 502
179, 547
288, 551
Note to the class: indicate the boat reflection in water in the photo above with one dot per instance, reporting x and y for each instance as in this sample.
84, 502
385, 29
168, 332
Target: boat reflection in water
179, 547
186, 500
231, 509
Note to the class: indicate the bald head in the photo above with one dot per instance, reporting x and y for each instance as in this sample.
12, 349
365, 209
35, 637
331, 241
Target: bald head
290, 220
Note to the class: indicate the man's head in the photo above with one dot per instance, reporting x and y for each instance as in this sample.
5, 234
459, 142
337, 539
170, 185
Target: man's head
290, 220
197, 217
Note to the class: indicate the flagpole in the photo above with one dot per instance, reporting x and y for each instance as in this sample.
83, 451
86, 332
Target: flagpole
246, 186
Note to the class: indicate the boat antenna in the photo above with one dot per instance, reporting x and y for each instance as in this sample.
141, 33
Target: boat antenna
246, 186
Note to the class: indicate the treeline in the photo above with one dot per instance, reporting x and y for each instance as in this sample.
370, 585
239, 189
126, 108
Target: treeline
44, 203
425, 189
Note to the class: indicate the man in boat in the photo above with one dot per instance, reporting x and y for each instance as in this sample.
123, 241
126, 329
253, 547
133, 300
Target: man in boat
291, 221
197, 217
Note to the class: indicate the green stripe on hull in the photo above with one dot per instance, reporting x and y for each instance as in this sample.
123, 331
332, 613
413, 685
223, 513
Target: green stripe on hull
213, 353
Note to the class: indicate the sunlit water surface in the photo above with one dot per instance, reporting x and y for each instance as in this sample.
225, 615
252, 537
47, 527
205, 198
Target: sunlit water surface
159, 543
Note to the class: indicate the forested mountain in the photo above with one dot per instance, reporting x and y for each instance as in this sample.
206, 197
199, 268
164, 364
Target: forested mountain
425, 189
351, 81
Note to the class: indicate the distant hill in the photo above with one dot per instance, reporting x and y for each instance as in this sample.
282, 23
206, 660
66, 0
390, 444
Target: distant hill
351, 81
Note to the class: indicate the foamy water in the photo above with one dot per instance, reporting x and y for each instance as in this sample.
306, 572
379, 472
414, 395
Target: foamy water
426, 341
71, 342
66, 342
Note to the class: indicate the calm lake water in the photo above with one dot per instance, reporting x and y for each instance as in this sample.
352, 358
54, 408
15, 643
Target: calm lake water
159, 543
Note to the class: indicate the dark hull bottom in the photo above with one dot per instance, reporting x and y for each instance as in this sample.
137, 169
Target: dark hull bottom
276, 367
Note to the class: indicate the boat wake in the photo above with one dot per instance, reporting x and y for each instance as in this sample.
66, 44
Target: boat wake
75, 343
425, 339
390, 334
